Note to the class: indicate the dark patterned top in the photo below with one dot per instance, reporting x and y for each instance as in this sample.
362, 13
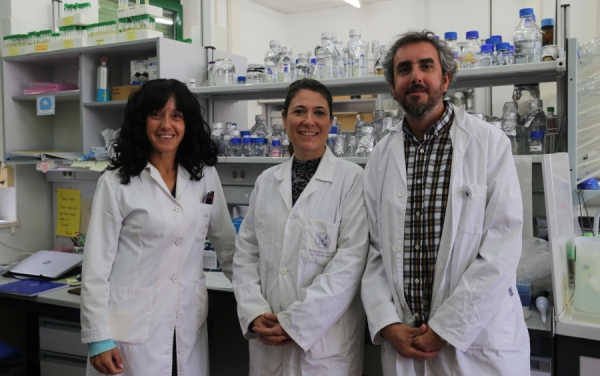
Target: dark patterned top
302, 172
428, 164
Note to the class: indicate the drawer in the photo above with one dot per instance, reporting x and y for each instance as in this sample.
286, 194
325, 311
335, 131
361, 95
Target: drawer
52, 364
61, 336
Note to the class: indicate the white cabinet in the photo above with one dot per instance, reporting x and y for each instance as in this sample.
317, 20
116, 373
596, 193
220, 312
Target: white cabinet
61, 350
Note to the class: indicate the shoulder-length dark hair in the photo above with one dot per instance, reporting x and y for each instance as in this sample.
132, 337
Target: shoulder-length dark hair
132, 148
306, 84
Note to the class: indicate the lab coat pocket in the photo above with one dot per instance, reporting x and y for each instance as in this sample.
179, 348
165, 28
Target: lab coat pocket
129, 311
319, 243
472, 215
202, 299
204, 211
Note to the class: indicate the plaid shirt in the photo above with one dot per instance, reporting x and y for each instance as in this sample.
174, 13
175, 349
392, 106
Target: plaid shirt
428, 165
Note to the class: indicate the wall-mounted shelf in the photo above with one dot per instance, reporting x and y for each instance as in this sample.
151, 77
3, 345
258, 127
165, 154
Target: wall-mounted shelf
60, 96
110, 104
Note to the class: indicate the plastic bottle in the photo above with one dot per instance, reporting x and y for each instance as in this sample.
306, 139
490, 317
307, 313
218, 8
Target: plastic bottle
527, 39
486, 56
325, 64
275, 148
541, 303
470, 54
227, 145
102, 90
338, 70
332, 137
450, 38
551, 131
547, 31
272, 61
357, 52
236, 147
246, 150
233, 130
302, 67
257, 147
313, 67
536, 145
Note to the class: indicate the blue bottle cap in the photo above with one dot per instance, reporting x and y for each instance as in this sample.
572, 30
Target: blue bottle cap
234, 125
499, 37
246, 140
235, 141
472, 34
536, 134
333, 130
313, 60
493, 41
502, 46
256, 140
511, 48
589, 184
245, 133
487, 48
548, 22
526, 12
276, 142
241, 79
451, 35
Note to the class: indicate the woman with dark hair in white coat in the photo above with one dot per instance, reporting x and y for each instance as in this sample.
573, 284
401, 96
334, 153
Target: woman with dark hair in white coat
301, 252
144, 300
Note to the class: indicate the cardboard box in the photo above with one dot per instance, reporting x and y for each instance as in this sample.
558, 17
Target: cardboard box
139, 72
348, 119
120, 93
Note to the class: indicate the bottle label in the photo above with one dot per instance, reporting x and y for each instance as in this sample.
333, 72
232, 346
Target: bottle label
13, 51
130, 35
67, 43
535, 148
41, 47
275, 153
68, 21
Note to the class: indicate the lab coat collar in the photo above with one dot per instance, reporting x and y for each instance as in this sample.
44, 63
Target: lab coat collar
183, 177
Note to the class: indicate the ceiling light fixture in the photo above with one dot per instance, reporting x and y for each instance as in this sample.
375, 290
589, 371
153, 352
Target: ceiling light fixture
355, 3
164, 21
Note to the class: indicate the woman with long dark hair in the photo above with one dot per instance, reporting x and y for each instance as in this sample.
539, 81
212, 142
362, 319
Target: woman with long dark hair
144, 299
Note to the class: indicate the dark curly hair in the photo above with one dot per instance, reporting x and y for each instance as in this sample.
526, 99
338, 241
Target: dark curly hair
132, 148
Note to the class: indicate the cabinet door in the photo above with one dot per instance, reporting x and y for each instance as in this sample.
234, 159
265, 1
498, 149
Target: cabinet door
52, 364
60, 336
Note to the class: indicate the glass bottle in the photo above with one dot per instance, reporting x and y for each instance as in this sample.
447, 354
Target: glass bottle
338, 70
257, 147
547, 31
331, 138
535, 119
236, 147
227, 145
357, 52
285, 143
377, 123
260, 129
372, 60
379, 62
450, 38
327, 49
470, 54
272, 61
527, 39
503, 54
536, 145
233, 130
276, 148
286, 65
302, 68
246, 150
216, 135
486, 55
510, 126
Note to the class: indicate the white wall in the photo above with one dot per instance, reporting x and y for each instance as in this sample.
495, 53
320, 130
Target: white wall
258, 25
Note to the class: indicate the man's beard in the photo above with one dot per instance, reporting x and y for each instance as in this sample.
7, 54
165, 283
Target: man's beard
418, 110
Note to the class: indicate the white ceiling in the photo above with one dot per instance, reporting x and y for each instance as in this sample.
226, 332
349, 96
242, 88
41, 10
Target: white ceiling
295, 6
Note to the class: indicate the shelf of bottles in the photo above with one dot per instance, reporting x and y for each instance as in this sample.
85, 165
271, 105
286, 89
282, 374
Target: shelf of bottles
465, 78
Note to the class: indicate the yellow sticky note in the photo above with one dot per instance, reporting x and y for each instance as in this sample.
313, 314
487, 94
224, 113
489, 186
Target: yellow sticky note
41, 47
68, 21
68, 43
130, 35
99, 41
13, 51
99, 166
68, 211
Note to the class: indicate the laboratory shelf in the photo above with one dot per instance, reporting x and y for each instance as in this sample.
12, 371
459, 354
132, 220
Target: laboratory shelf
465, 78
340, 101
588, 195
110, 104
60, 96
275, 161
534, 321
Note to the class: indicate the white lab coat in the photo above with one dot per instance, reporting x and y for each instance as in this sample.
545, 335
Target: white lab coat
475, 305
142, 269
305, 263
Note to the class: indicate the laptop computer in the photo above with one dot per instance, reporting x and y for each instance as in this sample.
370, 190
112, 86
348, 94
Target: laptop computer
47, 264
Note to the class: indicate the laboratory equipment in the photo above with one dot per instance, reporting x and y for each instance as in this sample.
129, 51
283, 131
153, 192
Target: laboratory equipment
272, 61
255, 74
224, 71
523, 94
302, 68
285, 69
236, 148
470, 54
241, 80
216, 135
549, 52
350, 146
587, 273
285, 144
547, 31
260, 129
337, 59
541, 303
371, 61
357, 54
527, 39
536, 145
486, 55
379, 62
211, 73
102, 90
339, 148
510, 123
366, 142
377, 123
324, 53
503, 54
450, 38
246, 150
276, 148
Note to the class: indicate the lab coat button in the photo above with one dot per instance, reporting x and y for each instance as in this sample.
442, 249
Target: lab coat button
396, 248
177, 209
401, 193
181, 351
283, 271
179, 242
416, 315
417, 214
175, 279
417, 247
418, 181
179, 314
417, 281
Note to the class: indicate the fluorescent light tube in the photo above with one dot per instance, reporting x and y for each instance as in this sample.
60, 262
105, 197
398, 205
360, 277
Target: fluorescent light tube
164, 21
355, 3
